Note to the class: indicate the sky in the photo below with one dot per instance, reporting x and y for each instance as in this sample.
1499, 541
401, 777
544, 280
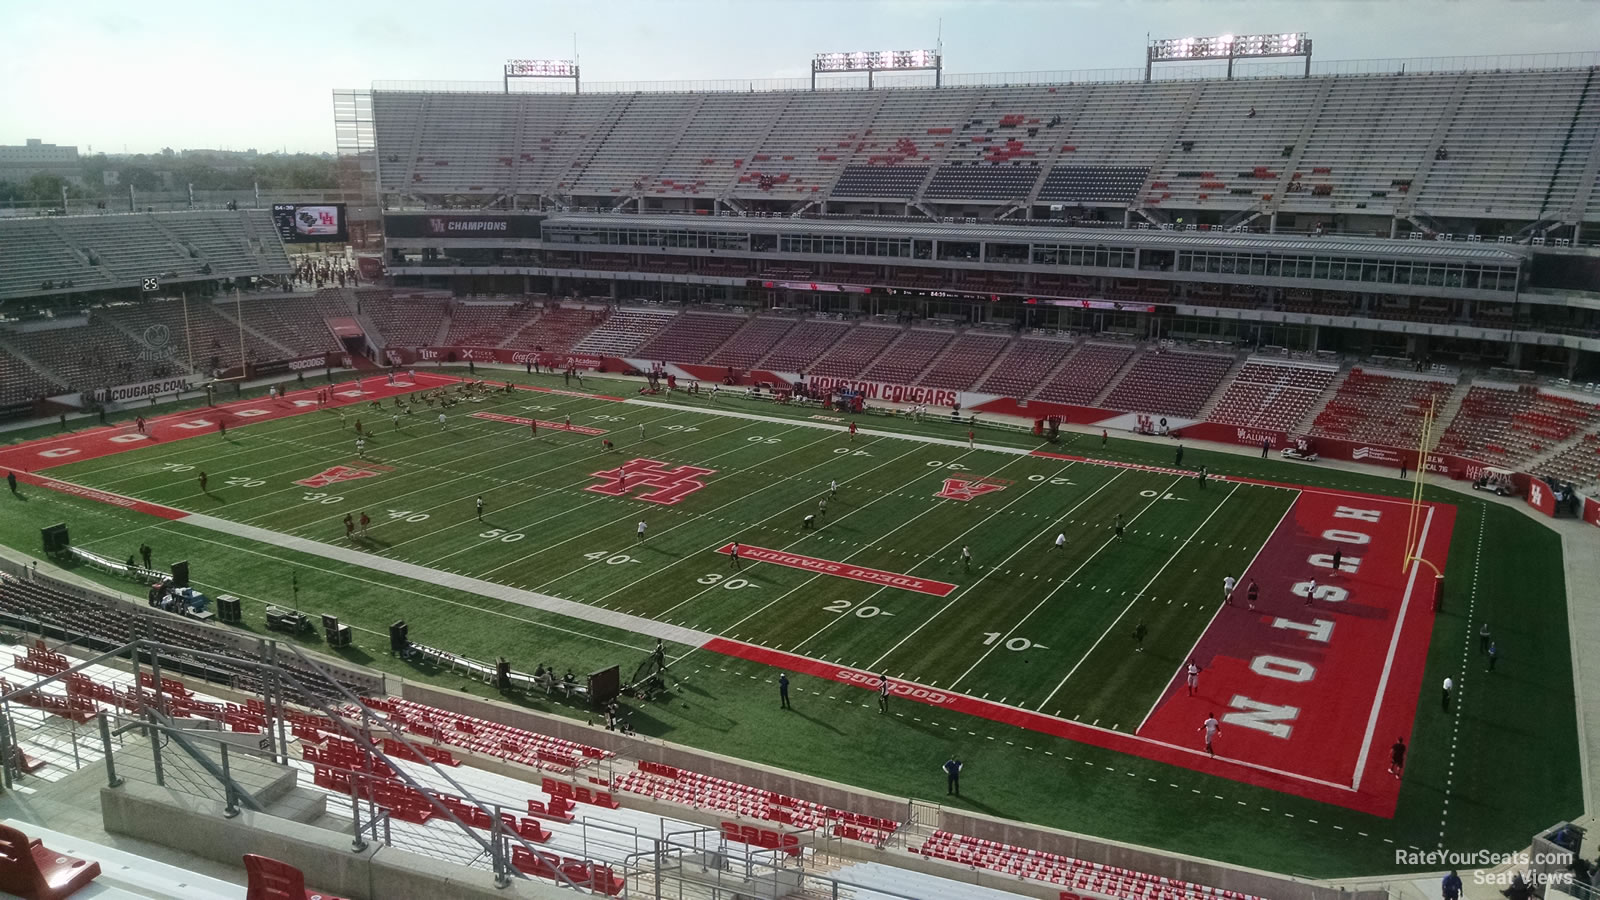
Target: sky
121, 77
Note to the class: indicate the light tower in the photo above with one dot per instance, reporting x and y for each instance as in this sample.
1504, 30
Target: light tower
542, 68
870, 61
1229, 47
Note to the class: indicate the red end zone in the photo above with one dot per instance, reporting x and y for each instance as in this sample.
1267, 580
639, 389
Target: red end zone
1320, 689
94, 443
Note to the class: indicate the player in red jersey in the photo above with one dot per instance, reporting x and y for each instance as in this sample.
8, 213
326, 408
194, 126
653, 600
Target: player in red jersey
852, 432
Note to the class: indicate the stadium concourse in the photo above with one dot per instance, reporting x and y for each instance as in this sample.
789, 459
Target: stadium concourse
665, 493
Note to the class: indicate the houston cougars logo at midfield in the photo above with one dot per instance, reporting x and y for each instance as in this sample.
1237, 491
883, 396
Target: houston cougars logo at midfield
964, 489
336, 474
669, 485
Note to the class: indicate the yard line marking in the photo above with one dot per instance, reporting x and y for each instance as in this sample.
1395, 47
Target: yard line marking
764, 607
1175, 554
335, 448
788, 510
612, 522
227, 408
462, 499
433, 579
951, 543
1020, 548
1388, 661
1218, 612
1064, 582
872, 432
531, 599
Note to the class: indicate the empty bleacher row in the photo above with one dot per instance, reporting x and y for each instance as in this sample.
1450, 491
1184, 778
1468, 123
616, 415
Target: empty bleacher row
298, 323
1381, 408
1272, 394
1086, 373
404, 321
107, 251
1069, 873
1170, 383
38, 601
1511, 143
1508, 426
691, 337
486, 324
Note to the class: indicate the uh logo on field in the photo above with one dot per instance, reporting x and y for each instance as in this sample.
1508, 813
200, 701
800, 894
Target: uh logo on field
668, 486
336, 474
966, 489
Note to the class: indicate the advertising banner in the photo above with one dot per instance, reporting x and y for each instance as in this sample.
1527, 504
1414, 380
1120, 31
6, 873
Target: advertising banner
126, 392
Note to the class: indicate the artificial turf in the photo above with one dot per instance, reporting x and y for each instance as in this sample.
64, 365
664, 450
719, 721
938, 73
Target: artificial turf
1510, 774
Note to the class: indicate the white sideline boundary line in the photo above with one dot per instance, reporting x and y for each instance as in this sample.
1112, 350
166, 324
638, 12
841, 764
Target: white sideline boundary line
569, 608
1388, 661
1213, 620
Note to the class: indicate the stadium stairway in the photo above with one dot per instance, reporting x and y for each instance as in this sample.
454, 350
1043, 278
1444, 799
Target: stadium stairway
1304, 425
1222, 387
1116, 379
225, 310
1447, 412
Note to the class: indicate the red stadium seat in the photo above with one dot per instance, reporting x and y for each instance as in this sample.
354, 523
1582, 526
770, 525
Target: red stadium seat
31, 870
271, 879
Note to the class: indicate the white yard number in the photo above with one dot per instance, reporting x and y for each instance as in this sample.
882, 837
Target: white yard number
504, 536
842, 451
319, 497
936, 464
683, 428
1044, 478
611, 559
757, 439
407, 515
177, 467
243, 481
732, 584
1150, 494
1016, 644
865, 612
608, 418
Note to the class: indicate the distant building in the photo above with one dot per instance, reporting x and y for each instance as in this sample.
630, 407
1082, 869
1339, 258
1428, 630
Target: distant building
19, 163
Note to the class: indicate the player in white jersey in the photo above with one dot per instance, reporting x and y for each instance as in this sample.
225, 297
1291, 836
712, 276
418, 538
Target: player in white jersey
1192, 676
641, 530
1212, 728
1227, 589
1061, 540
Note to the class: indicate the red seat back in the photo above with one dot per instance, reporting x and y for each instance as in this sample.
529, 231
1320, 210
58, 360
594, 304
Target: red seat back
273, 880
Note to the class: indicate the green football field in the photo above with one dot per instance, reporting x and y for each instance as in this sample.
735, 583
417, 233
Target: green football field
1023, 622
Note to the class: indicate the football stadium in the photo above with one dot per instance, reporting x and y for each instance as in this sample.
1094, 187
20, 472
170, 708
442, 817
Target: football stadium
1170, 483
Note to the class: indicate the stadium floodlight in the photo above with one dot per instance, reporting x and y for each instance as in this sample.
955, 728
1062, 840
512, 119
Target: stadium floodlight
871, 61
1229, 47
541, 68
